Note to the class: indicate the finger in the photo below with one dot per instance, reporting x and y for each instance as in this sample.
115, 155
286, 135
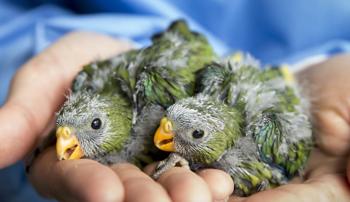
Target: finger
139, 186
219, 182
333, 134
213, 178
39, 87
184, 185
320, 164
74, 180
325, 188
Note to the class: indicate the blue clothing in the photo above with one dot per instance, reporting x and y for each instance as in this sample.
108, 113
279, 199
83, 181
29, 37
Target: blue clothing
273, 31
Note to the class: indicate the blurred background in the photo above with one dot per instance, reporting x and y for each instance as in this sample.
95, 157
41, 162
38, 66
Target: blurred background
274, 31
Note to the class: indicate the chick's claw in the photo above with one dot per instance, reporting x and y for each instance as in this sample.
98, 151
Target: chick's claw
173, 160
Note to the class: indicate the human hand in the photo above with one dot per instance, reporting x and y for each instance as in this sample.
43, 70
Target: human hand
331, 104
328, 87
327, 84
37, 92
88, 180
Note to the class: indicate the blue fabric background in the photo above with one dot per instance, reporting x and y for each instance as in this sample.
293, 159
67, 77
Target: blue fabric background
272, 30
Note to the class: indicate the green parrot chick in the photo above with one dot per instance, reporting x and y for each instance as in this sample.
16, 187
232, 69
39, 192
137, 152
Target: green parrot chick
207, 133
92, 126
248, 122
99, 127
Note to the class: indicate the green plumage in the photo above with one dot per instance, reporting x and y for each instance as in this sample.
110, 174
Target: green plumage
264, 143
166, 72
130, 91
119, 113
159, 74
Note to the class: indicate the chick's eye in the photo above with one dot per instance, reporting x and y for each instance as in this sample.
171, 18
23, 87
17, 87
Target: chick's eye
96, 124
197, 134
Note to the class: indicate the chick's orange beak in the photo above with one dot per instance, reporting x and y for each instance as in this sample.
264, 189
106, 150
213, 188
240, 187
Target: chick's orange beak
67, 145
164, 137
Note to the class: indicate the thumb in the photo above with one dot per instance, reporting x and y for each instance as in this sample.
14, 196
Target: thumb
38, 89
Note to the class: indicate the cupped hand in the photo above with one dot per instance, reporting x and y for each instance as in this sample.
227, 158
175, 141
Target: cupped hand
88, 180
36, 93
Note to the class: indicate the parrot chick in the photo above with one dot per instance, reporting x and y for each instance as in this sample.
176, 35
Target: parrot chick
100, 127
248, 122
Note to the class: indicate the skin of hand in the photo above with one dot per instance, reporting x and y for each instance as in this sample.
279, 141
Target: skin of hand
327, 175
36, 93
327, 84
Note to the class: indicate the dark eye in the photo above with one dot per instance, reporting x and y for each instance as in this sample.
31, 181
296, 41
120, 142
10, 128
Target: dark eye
90, 89
96, 124
197, 134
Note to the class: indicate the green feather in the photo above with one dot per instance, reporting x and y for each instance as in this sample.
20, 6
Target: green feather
161, 73
167, 68
119, 114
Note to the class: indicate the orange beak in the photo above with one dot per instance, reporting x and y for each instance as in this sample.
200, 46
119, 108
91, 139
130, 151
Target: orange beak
164, 137
67, 145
